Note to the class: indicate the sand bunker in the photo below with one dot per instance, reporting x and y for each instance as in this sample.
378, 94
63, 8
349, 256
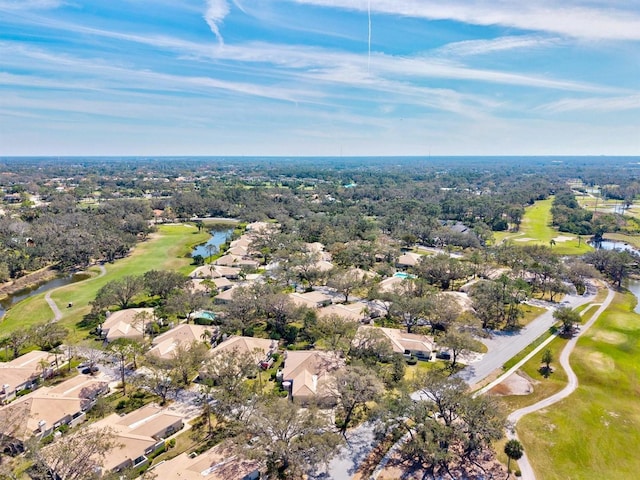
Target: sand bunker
601, 362
563, 238
523, 239
614, 338
514, 384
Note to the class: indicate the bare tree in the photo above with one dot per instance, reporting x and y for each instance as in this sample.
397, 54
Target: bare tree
78, 456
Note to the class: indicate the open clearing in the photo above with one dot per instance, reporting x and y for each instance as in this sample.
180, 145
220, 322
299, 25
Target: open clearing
593, 433
166, 249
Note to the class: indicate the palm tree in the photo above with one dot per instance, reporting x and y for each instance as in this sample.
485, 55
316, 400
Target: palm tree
514, 450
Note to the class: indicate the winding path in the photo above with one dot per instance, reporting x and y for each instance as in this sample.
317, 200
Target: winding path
57, 314
523, 464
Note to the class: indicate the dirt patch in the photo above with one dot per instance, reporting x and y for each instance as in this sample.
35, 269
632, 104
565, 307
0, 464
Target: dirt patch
514, 384
602, 362
614, 338
524, 239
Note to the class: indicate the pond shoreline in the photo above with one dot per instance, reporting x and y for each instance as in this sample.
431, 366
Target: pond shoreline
29, 281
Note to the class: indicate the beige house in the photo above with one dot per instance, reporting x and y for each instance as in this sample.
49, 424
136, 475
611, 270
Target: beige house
407, 343
47, 408
313, 299
218, 463
164, 345
204, 271
389, 284
126, 323
225, 296
244, 242
357, 311
138, 434
310, 376
408, 259
260, 348
22, 372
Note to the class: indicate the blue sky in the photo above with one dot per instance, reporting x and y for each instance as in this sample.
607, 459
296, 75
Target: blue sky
319, 77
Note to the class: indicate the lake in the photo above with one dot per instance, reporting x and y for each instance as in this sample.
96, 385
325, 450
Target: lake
218, 237
43, 287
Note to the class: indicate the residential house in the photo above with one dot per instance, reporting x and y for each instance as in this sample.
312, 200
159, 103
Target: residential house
389, 284
45, 409
357, 311
22, 372
312, 299
125, 323
138, 435
421, 346
217, 463
225, 296
408, 259
259, 348
310, 376
165, 345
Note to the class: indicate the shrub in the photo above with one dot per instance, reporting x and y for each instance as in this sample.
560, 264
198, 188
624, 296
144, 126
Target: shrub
518, 473
411, 360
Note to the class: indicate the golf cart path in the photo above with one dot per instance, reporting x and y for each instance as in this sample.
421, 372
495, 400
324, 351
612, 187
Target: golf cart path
523, 463
57, 314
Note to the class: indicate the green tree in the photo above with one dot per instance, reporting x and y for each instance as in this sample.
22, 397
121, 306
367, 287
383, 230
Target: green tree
290, 440
569, 318
547, 358
163, 282
355, 387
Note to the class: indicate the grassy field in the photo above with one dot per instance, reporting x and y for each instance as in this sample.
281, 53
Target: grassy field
593, 433
536, 229
165, 250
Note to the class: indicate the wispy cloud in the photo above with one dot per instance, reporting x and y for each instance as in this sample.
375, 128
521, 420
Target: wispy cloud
483, 47
30, 4
216, 12
572, 18
597, 104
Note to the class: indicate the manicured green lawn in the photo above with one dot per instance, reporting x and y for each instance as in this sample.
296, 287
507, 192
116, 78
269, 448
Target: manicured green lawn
594, 433
536, 229
165, 250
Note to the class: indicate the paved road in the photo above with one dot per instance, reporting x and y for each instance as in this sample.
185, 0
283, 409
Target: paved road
503, 346
523, 464
344, 465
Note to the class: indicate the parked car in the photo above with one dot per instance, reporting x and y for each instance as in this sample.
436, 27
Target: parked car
92, 369
443, 355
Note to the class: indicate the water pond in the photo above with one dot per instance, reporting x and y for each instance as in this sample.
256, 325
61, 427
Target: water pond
218, 237
43, 287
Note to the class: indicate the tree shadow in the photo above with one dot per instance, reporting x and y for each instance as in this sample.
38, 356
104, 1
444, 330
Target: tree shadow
545, 371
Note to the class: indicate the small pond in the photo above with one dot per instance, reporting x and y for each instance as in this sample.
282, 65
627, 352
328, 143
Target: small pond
43, 287
615, 245
632, 284
218, 237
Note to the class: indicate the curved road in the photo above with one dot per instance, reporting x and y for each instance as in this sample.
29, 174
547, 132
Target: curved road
57, 314
523, 463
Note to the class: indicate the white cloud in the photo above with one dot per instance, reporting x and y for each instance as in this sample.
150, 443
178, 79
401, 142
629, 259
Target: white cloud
216, 12
584, 19
501, 44
30, 4
597, 104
